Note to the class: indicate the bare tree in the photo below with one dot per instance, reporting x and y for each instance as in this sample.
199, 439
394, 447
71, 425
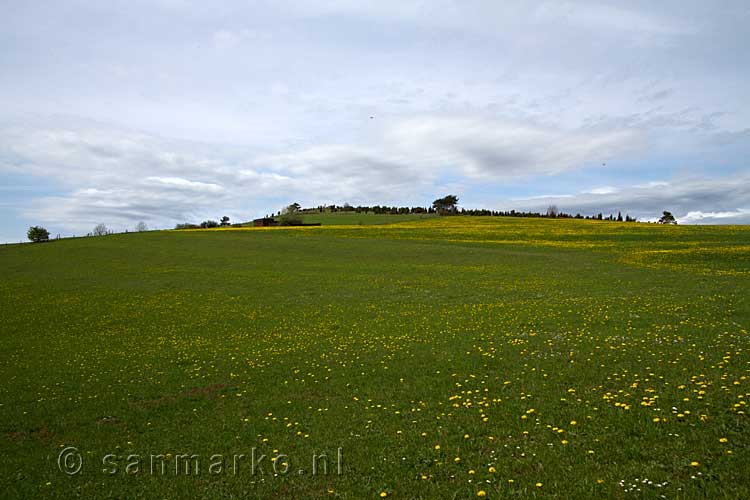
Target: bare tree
552, 211
141, 226
100, 230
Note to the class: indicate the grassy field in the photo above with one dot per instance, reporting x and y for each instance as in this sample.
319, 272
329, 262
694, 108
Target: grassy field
445, 358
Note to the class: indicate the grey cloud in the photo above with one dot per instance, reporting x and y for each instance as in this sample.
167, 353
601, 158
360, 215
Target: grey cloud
496, 149
124, 176
717, 201
129, 175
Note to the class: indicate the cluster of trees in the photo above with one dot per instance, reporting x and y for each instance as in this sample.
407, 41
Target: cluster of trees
448, 205
555, 214
363, 209
206, 224
443, 206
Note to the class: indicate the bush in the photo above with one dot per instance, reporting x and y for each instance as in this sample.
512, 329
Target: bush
37, 234
290, 219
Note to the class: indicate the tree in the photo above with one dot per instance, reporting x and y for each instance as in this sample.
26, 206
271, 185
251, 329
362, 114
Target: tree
445, 205
290, 216
619, 216
552, 211
225, 221
100, 230
37, 234
141, 226
667, 218
208, 224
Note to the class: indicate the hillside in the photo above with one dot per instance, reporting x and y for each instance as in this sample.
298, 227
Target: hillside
446, 357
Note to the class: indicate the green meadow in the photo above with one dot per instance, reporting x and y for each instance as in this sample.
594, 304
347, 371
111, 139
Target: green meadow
449, 357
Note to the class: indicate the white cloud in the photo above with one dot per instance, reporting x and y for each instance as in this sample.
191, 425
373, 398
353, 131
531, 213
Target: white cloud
177, 182
652, 184
741, 215
601, 190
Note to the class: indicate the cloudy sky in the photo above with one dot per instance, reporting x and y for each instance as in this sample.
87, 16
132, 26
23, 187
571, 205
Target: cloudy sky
172, 110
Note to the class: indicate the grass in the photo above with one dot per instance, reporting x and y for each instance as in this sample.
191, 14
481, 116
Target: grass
447, 358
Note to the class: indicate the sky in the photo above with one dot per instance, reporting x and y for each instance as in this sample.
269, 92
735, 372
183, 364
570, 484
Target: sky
169, 111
